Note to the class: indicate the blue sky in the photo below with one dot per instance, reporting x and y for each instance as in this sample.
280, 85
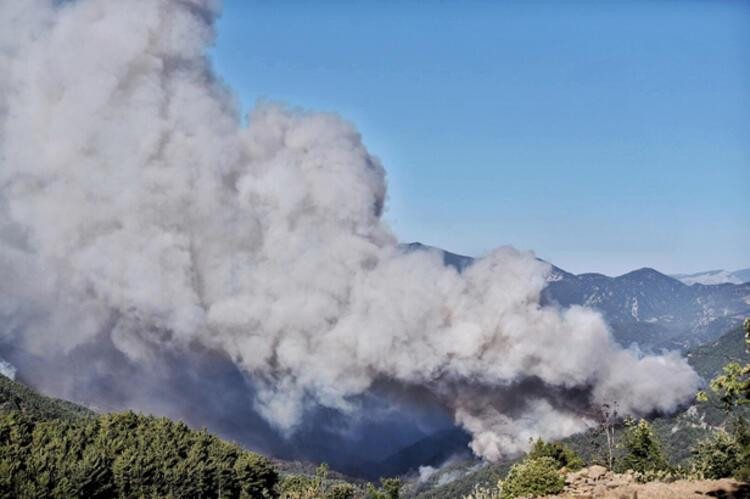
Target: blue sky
604, 135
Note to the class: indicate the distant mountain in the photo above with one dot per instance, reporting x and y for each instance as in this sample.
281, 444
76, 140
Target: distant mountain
715, 277
743, 275
455, 260
653, 309
644, 306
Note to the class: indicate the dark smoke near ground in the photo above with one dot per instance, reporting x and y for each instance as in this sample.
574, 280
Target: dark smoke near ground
157, 254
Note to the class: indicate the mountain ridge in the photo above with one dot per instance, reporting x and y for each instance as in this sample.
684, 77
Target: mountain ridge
717, 276
642, 306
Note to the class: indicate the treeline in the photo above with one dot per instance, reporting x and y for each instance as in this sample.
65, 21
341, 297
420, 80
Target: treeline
54, 448
17, 397
124, 455
320, 486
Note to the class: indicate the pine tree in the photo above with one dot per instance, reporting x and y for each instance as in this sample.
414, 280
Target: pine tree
124, 455
563, 456
643, 452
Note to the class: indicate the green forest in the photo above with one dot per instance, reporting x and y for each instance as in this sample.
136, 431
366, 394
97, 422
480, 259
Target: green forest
54, 448
124, 455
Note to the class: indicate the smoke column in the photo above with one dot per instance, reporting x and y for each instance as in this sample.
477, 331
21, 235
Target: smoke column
137, 211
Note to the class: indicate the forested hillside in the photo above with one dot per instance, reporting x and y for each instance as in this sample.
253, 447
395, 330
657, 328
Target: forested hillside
16, 397
50, 448
55, 448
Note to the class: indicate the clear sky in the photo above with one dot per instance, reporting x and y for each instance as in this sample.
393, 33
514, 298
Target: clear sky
604, 135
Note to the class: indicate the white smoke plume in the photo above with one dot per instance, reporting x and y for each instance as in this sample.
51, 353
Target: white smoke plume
7, 369
134, 205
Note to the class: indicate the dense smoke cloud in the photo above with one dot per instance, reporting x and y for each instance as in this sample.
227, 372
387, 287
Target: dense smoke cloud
134, 209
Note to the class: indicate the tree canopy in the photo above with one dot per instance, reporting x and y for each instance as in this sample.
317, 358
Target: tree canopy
124, 455
733, 385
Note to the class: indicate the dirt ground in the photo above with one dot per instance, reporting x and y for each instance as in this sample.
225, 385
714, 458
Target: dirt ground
675, 490
598, 482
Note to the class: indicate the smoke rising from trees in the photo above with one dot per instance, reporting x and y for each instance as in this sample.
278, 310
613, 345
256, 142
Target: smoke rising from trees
137, 212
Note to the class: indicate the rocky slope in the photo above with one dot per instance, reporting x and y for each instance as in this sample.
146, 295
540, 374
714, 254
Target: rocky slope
598, 482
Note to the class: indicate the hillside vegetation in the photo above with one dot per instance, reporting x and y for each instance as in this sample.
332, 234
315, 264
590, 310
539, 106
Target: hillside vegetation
123, 455
16, 397
54, 448
679, 434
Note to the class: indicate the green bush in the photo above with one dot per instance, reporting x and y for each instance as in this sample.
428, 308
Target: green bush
316, 487
741, 435
733, 386
724, 454
305, 487
533, 478
642, 449
341, 490
716, 456
298, 487
390, 489
564, 456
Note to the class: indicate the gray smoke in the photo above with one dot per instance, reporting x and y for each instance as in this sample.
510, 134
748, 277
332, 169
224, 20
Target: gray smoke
135, 210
